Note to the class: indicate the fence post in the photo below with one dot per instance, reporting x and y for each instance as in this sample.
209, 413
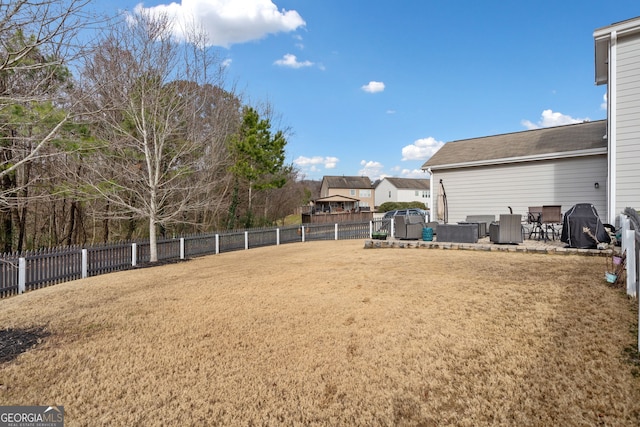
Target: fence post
277, 237
631, 262
85, 258
336, 231
217, 244
134, 254
182, 248
303, 232
22, 275
371, 229
246, 240
393, 228
626, 244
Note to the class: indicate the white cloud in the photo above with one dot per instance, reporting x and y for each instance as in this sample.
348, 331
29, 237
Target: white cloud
549, 119
291, 61
371, 168
228, 22
373, 87
421, 149
313, 162
331, 162
603, 106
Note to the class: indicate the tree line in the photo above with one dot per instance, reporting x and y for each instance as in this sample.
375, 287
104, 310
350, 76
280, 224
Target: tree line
127, 133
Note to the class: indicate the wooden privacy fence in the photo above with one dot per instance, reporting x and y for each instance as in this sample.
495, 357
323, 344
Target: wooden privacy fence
36, 269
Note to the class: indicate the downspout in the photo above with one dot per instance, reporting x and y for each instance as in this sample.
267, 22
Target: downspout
611, 128
430, 194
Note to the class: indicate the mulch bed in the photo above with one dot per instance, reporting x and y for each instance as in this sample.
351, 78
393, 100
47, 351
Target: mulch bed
14, 342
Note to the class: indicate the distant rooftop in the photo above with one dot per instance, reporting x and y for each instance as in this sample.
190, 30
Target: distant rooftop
347, 181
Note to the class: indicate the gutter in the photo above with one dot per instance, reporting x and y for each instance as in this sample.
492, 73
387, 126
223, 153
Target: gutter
430, 193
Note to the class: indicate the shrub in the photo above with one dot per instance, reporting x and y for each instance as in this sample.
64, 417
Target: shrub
390, 206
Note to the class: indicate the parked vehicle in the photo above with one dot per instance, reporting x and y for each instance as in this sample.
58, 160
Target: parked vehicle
384, 224
409, 212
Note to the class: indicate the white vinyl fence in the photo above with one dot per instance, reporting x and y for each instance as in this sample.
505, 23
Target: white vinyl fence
630, 234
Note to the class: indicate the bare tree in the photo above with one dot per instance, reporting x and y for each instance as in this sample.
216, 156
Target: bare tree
278, 203
161, 119
38, 39
38, 42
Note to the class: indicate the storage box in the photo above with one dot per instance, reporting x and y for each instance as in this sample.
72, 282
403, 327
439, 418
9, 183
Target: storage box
458, 233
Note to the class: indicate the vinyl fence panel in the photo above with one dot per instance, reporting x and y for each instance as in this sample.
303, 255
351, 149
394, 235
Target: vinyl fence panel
36, 269
8, 275
105, 259
51, 266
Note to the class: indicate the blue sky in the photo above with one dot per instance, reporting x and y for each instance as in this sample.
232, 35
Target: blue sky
374, 88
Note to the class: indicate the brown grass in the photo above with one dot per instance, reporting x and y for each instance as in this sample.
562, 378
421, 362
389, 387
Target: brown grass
328, 333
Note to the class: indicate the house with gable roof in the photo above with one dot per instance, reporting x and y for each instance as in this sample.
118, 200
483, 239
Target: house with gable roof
562, 165
402, 190
344, 193
594, 162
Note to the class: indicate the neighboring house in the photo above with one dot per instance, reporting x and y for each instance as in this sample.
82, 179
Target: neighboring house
402, 190
563, 165
354, 187
617, 64
336, 204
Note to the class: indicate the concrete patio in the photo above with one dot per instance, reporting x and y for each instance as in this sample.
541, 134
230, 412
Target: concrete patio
527, 246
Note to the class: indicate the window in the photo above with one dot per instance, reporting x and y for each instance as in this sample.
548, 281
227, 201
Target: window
425, 194
352, 192
365, 193
389, 193
417, 193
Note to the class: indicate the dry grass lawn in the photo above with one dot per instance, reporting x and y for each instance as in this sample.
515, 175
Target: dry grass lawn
330, 333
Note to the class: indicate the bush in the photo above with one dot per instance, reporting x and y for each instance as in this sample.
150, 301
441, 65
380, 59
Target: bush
390, 206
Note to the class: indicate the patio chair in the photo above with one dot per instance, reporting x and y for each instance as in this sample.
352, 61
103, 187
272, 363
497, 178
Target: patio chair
534, 221
551, 218
507, 230
408, 226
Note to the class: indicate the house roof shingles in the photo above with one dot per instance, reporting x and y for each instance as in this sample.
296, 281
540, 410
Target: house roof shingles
538, 142
348, 182
410, 183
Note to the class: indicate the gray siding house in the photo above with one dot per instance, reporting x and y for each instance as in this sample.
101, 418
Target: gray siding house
617, 64
594, 162
563, 166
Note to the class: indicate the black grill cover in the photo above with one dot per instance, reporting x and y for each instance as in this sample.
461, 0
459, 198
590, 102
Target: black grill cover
575, 220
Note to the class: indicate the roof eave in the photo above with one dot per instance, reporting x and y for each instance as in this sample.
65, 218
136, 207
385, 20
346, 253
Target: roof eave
624, 27
533, 158
602, 60
602, 37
